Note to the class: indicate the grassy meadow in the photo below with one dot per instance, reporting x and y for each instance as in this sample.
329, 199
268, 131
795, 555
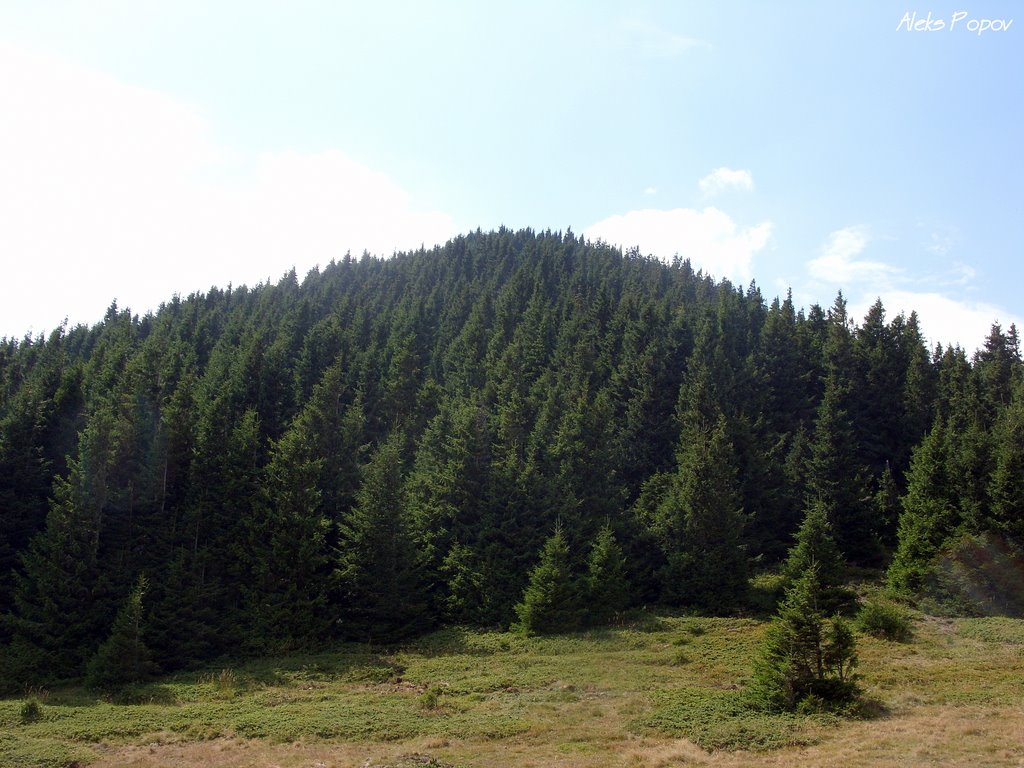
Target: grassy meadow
662, 691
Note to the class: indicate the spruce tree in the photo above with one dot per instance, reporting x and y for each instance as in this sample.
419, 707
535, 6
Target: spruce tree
835, 478
124, 657
836, 474
606, 588
286, 592
887, 507
1007, 484
377, 566
446, 498
805, 657
815, 546
929, 513
701, 524
60, 599
550, 603
184, 613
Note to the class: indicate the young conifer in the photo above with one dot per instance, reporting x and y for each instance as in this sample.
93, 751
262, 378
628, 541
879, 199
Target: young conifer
815, 546
805, 658
551, 601
123, 658
607, 588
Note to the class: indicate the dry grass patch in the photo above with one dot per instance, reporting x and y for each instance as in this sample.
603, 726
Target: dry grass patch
619, 698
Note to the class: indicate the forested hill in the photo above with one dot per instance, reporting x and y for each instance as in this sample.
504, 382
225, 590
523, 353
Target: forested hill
390, 444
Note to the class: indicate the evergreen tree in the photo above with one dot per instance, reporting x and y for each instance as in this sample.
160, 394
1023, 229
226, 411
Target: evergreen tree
185, 613
227, 490
606, 587
61, 599
550, 603
836, 479
805, 657
781, 379
38, 426
1007, 485
586, 474
887, 507
220, 446
816, 548
929, 515
377, 564
288, 561
446, 500
835, 473
123, 658
701, 525
995, 364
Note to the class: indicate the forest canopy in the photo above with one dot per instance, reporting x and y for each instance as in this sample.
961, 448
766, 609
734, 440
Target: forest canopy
492, 429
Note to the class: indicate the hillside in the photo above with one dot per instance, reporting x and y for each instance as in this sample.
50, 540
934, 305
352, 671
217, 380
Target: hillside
387, 446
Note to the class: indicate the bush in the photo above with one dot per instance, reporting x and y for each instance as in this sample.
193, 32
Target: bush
31, 712
886, 620
431, 698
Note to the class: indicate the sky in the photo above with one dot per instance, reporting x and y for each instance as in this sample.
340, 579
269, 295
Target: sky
151, 148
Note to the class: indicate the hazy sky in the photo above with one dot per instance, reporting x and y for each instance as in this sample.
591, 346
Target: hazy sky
149, 148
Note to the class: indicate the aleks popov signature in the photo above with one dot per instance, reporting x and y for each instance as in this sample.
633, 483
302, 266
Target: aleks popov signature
960, 21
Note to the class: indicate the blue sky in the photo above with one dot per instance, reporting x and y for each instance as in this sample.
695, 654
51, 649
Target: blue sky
148, 148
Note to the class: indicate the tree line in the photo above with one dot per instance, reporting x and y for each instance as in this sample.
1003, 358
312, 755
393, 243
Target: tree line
452, 435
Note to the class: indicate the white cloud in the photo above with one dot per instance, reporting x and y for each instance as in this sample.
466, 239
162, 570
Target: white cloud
940, 244
943, 320
649, 191
108, 190
962, 274
654, 42
722, 179
838, 263
709, 238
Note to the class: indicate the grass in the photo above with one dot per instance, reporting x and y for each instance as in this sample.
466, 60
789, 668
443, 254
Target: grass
664, 691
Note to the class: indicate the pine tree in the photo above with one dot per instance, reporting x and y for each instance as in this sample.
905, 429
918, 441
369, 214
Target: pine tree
124, 657
378, 567
1007, 484
805, 657
606, 587
816, 548
701, 525
550, 603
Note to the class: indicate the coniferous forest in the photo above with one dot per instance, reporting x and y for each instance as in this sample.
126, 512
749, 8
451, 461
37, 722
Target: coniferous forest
516, 428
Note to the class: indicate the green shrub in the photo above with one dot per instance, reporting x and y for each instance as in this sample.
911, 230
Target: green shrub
431, 698
680, 658
886, 620
31, 712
